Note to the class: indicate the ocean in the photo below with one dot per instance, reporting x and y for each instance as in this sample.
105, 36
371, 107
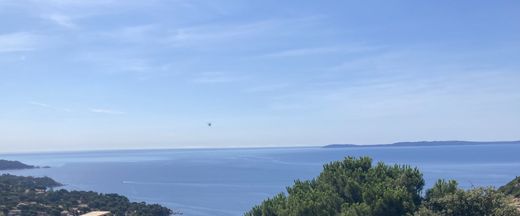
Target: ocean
218, 182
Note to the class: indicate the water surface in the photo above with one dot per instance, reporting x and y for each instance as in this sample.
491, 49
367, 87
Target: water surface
230, 181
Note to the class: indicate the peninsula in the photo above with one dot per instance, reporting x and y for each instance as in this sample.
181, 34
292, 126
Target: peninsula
425, 143
14, 165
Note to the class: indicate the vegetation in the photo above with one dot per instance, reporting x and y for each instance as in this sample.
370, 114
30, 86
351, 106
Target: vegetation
354, 187
512, 188
11, 165
350, 187
35, 196
446, 199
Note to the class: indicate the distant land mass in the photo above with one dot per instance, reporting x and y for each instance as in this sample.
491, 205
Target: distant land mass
14, 165
25, 195
424, 143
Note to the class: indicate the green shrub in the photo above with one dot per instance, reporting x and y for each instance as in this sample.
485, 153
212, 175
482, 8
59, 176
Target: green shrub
350, 187
354, 187
445, 199
512, 188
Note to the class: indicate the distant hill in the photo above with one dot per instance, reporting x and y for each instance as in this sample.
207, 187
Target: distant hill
12, 165
423, 143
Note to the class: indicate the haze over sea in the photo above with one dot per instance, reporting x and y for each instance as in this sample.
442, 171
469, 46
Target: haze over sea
231, 181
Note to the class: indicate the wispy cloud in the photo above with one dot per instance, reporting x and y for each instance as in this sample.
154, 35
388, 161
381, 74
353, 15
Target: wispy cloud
55, 108
106, 111
303, 52
204, 34
75, 2
195, 36
116, 61
18, 42
60, 11
48, 106
286, 106
267, 88
62, 20
80, 5
217, 77
355, 48
134, 34
39, 104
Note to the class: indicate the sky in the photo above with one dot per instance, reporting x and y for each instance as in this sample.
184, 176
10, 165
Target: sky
108, 74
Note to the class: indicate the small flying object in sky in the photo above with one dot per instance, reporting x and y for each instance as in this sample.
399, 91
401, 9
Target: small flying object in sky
209, 124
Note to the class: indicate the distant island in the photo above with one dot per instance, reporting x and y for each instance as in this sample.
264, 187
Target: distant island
14, 165
424, 143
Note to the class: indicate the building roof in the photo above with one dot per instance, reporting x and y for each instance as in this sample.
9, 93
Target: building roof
97, 213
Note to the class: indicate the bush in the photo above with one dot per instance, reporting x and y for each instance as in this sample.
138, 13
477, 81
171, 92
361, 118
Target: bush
350, 187
512, 188
353, 187
445, 199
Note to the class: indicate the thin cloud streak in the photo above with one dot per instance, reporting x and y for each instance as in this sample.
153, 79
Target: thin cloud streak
48, 106
202, 35
62, 20
267, 88
39, 104
120, 62
133, 34
341, 48
304, 52
18, 42
106, 111
217, 77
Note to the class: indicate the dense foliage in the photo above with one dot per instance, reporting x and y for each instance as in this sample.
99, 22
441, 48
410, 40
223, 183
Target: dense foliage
350, 187
354, 187
11, 165
446, 199
31, 195
512, 188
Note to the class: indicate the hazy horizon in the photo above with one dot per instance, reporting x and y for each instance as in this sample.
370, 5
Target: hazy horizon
107, 74
237, 147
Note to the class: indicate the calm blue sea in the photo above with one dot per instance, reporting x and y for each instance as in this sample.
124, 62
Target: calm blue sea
231, 181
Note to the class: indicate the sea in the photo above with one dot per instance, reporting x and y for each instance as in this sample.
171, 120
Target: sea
222, 182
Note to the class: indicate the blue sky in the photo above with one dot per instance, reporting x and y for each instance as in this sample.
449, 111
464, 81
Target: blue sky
107, 74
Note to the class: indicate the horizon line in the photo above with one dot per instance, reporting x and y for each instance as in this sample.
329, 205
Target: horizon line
234, 147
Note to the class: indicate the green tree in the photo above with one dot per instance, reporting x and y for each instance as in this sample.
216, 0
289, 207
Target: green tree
441, 189
445, 199
350, 187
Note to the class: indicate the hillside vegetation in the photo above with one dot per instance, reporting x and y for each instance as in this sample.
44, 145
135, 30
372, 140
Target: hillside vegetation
35, 196
512, 188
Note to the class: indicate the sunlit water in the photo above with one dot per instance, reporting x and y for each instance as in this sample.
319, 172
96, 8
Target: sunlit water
231, 181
